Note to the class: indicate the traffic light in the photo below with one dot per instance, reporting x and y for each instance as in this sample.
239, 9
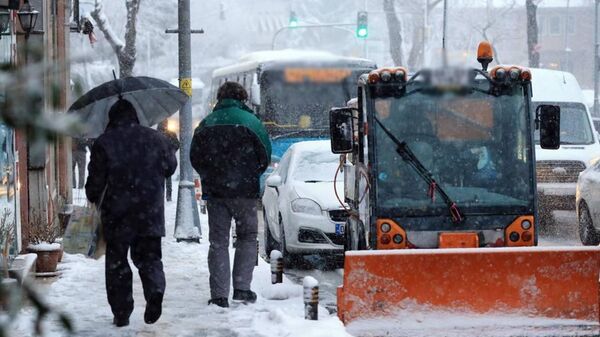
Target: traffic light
293, 19
362, 27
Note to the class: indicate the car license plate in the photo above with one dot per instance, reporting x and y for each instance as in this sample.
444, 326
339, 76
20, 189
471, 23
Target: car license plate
339, 228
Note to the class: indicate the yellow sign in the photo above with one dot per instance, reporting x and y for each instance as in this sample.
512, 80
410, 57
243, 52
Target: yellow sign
319, 75
185, 84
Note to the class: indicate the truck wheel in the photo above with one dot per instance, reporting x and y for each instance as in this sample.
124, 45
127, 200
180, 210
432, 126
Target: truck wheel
587, 233
269, 241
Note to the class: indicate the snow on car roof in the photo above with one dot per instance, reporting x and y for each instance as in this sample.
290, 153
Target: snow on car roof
312, 146
253, 60
555, 86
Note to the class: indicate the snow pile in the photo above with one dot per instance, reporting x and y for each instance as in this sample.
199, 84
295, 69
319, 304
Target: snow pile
417, 320
43, 247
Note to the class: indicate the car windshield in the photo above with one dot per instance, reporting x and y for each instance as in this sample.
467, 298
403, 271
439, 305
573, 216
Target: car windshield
316, 166
575, 126
474, 144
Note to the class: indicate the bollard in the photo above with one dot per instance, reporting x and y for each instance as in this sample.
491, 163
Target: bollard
276, 260
257, 252
311, 298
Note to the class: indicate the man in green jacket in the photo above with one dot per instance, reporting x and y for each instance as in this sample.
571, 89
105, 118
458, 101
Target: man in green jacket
231, 150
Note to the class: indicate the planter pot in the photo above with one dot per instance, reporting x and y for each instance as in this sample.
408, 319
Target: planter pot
62, 250
47, 257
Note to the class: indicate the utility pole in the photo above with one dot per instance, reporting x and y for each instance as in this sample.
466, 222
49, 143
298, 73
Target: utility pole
187, 220
567, 49
445, 24
596, 65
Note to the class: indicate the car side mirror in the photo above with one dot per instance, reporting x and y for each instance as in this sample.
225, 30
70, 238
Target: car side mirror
273, 180
548, 121
341, 130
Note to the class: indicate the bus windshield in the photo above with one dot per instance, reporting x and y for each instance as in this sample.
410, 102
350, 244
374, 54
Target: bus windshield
296, 101
474, 144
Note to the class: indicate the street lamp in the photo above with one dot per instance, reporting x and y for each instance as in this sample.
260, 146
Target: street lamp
4, 21
28, 18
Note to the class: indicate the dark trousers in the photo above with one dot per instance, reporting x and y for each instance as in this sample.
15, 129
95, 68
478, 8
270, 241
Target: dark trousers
146, 255
169, 185
79, 160
220, 213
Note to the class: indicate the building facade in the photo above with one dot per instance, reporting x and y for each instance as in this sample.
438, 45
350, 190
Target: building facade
35, 179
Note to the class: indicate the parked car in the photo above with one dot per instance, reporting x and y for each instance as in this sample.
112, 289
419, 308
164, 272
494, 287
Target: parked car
588, 205
302, 214
557, 170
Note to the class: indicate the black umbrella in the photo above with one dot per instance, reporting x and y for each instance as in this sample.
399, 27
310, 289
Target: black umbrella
153, 99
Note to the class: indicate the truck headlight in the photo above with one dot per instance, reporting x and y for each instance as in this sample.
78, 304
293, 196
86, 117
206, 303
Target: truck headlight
306, 206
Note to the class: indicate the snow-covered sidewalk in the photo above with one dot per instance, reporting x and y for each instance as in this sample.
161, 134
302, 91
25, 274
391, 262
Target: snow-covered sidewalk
80, 292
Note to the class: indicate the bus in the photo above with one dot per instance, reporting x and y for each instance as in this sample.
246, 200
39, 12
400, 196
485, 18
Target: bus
291, 91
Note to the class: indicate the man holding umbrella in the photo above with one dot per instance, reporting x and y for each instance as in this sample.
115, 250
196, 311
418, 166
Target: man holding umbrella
126, 178
127, 171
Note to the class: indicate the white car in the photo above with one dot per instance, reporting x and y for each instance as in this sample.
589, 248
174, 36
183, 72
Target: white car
588, 205
301, 211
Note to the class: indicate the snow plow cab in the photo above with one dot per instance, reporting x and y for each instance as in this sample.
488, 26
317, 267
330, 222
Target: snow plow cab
439, 173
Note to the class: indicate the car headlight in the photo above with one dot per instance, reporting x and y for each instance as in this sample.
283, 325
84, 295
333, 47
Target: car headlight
307, 206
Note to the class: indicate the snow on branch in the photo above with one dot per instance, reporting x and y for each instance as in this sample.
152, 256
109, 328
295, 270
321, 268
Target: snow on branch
105, 27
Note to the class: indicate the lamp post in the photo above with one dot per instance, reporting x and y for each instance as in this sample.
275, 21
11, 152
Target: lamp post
28, 18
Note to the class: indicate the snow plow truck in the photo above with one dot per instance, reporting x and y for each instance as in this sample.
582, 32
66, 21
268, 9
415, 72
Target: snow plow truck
440, 187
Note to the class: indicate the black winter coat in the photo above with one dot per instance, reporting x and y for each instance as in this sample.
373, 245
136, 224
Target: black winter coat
132, 162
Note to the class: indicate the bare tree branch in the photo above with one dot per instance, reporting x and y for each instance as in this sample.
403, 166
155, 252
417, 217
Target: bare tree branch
104, 26
126, 52
394, 31
128, 56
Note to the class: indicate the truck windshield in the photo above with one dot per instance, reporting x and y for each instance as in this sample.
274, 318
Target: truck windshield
475, 144
575, 125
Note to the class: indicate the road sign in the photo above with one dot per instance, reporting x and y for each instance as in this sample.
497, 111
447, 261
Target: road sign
185, 84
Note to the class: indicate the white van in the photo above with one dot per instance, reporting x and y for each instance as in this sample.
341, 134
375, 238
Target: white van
558, 170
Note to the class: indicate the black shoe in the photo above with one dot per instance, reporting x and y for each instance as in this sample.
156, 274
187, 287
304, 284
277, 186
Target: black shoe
153, 309
121, 321
221, 301
247, 296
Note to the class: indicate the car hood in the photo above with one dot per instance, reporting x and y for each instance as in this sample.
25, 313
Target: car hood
321, 192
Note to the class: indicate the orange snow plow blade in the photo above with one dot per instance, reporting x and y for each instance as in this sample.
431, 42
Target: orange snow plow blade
559, 282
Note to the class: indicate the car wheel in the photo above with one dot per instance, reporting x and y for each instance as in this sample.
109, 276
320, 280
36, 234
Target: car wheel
269, 242
290, 260
587, 233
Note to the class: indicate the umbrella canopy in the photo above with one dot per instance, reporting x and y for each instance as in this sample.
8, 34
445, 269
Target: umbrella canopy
153, 99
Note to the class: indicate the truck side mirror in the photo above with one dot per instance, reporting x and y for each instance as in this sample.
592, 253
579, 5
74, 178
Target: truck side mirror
340, 130
548, 120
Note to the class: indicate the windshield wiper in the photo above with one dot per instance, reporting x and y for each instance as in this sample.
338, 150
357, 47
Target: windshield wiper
407, 155
313, 181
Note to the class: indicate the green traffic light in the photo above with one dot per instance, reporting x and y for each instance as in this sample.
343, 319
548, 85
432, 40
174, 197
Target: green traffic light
362, 32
